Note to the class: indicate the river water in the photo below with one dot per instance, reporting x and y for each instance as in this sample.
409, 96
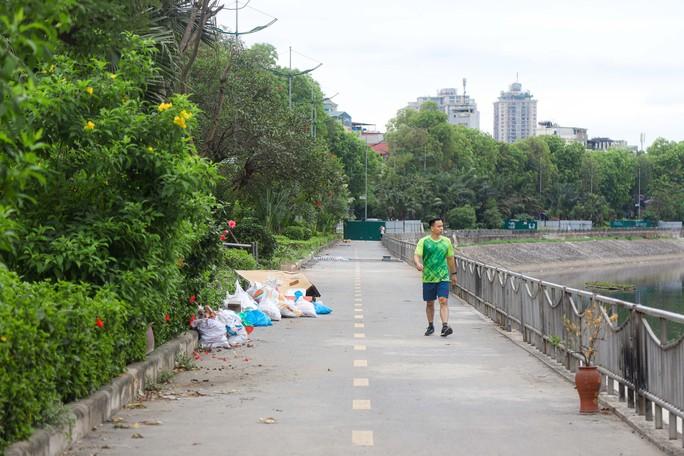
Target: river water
656, 285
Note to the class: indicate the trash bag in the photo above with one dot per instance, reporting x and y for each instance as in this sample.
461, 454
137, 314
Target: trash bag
255, 318
269, 304
241, 296
257, 291
212, 333
306, 308
287, 307
237, 333
321, 309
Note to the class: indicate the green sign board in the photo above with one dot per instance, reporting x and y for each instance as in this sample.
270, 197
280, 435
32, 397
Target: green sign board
633, 224
520, 225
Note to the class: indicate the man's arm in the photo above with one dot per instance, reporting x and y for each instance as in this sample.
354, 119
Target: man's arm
418, 261
452, 268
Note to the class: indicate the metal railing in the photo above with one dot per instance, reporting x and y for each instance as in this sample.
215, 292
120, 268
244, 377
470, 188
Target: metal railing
640, 365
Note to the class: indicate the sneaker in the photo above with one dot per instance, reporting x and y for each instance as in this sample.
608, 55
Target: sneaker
430, 329
446, 330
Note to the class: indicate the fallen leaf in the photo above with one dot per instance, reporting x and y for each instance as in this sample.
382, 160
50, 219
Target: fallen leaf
122, 426
137, 435
136, 405
117, 419
269, 420
151, 422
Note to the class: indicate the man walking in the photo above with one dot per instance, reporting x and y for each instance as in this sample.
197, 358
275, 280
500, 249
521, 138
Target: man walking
435, 257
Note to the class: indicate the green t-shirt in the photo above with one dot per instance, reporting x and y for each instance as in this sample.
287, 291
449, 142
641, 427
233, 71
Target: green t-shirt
435, 253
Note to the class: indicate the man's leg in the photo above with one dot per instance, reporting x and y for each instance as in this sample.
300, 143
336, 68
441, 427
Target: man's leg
429, 296
444, 308
430, 311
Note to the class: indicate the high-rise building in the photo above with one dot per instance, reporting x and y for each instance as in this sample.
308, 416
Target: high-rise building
515, 115
460, 109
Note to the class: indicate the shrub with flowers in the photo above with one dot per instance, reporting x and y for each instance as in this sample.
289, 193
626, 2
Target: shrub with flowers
125, 199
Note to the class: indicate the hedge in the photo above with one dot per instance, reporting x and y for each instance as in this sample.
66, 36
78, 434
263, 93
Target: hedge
58, 342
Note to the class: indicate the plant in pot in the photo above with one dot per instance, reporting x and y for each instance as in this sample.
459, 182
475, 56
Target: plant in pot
583, 340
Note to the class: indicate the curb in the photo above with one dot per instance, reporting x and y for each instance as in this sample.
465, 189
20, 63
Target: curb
644, 429
88, 413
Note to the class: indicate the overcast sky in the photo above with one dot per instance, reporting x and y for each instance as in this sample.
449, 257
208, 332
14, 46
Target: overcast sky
614, 67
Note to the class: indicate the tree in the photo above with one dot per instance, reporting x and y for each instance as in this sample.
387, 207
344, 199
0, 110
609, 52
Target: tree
463, 217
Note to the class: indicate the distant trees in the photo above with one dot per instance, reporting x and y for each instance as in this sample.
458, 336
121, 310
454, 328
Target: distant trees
436, 168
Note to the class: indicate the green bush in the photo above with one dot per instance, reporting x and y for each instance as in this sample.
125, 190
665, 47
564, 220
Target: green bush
299, 233
57, 344
248, 231
460, 218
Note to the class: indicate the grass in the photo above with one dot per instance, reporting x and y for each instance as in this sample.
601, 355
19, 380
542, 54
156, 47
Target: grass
611, 286
291, 251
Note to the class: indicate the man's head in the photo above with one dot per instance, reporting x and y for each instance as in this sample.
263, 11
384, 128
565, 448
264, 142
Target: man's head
436, 226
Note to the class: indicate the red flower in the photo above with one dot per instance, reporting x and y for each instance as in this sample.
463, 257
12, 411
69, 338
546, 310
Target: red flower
225, 232
232, 224
192, 318
99, 323
222, 237
193, 298
318, 203
167, 317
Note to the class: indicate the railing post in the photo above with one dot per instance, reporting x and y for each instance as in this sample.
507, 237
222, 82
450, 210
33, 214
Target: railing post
648, 412
663, 332
658, 417
621, 392
541, 304
672, 425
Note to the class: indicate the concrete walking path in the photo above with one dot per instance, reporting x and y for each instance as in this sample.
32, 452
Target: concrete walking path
364, 380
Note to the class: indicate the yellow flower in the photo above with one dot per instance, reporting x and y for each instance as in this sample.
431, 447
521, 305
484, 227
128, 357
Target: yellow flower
150, 149
90, 125
3, 338
180, 121
186, 115
52, 68
112, 75
89, 90
164, 106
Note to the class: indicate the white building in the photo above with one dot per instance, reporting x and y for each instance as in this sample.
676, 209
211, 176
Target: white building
515, 115
567, 134
460, 109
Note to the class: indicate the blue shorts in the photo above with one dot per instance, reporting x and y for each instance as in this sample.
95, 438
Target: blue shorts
433, 290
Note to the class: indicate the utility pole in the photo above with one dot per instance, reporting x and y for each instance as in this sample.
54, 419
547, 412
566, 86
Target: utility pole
365, 212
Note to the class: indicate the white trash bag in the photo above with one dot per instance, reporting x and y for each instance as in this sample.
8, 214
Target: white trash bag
232, 325
269, 304
241, 296
212, 333
306, 308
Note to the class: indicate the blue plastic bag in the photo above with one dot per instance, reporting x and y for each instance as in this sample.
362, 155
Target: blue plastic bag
321, 309
257, 318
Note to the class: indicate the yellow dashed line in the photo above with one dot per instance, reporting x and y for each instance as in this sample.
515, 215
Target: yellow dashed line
361, 404
360, 347
360, 363
360, 382
359, 325
359, 336
362, 438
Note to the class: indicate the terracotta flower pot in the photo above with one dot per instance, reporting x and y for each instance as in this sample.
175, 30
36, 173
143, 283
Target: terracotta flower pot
588, 383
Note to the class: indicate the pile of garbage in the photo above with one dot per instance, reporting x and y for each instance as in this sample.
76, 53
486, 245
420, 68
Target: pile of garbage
279, 295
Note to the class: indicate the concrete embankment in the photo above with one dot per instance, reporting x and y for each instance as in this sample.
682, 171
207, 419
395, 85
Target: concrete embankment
531, 257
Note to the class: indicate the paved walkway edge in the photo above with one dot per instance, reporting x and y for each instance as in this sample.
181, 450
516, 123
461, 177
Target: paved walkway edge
645, 429
88, 413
